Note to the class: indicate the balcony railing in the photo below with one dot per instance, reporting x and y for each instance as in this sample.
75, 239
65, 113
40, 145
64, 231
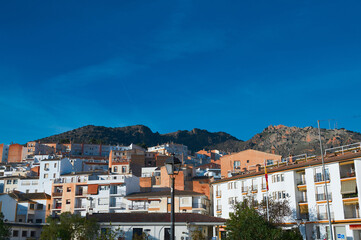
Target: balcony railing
219, 208
118, 205
198, 205
351, 211
303, 199
80, 206
324, 216
301, 182
254, 188
320, 177
264, 186
57, 194
322, 196
350, 195
244, 189
348, 173
130, 207
218, 193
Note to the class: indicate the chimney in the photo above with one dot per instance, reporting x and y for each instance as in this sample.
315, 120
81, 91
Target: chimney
273, 149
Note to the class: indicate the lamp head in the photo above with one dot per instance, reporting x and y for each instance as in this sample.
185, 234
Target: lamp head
172, 165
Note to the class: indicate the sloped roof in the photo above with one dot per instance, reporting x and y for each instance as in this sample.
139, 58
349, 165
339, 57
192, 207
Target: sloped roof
155, 217
24, 197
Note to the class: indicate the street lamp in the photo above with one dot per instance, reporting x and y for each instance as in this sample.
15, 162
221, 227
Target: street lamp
172, 166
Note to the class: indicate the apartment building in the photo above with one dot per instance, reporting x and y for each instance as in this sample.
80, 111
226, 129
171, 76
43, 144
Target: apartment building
246, 160
301, 181
93, 192
179, 150
15, 153
25, 213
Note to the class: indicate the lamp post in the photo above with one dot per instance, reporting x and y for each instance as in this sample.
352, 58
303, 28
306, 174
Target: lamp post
324, 178
172, 166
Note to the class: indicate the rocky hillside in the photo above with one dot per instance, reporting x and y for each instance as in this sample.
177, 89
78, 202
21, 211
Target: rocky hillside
139, 134
293, 140
285, 140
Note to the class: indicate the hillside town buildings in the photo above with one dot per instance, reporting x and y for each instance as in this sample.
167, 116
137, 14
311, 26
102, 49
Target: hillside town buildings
129, 186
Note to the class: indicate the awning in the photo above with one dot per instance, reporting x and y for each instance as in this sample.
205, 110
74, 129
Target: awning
93, 189
348, 187
303, 209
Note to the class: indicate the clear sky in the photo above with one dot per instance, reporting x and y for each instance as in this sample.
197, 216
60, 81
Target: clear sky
233, 66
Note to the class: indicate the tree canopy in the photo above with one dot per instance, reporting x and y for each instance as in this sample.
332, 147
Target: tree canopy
69, 226
246, 223
5, 230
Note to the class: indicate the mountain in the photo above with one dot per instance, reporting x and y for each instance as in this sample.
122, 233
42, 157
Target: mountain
285, 140
293, 140
195, 139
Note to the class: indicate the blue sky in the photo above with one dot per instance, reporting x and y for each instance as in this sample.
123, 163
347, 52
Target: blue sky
233, 66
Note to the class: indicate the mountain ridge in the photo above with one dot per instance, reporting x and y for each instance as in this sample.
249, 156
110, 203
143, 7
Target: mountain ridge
283, 139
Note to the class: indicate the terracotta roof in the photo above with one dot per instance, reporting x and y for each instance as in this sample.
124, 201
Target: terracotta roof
24, 197
163, 194
154, 217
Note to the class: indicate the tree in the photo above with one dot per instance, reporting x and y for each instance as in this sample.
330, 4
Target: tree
197, 235
5, 230
69, 226
246, 223
277, 209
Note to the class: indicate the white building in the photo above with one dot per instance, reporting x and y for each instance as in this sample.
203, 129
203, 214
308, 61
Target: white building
179, 150
302, 183
157, 225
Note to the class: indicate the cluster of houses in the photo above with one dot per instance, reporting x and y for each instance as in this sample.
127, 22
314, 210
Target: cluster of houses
126, 188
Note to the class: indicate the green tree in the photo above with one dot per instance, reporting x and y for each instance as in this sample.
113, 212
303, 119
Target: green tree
5, 230
69, 226
197, 235
246, 223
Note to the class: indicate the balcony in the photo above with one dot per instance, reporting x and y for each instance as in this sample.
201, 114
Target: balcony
264, 186
303, 199
254, 188
198, 205
219, 208
324, 216
320, 177
218, 193
83, 206
349, 195
322, 197
351, 210
301, 182
137, 207
57, 194
244, 189
347, 171
118, 205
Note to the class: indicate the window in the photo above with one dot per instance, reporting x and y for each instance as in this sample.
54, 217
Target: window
68, 189
48, 206
27, 190
236, 164
46, 166
39, 220
103, 201
8, 182
124, 169
40, 206
32, 234
46, 175
15, 181
15, 233
68, 201
54, 175
54, 165
32, 206
247, 161
115, 169
24, 234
